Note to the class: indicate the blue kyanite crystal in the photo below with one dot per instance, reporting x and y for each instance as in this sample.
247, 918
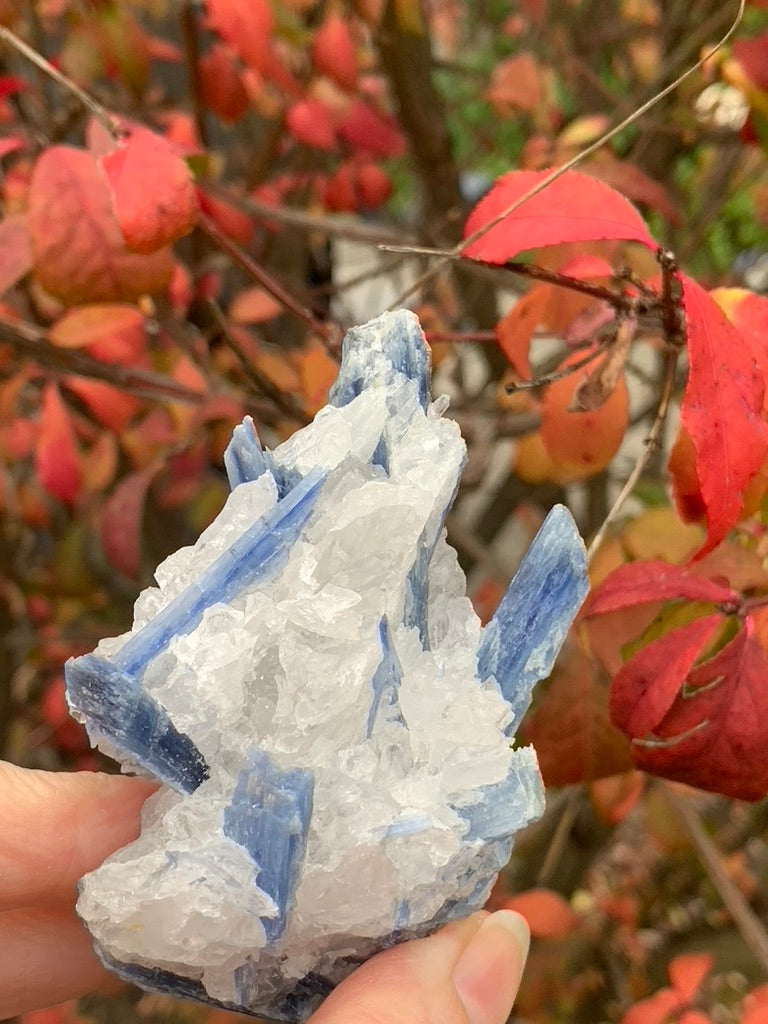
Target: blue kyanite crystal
329, 719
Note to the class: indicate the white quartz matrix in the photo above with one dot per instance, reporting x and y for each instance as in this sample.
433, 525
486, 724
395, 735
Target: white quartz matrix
414, 786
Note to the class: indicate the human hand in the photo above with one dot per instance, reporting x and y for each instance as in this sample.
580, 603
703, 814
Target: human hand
56, 827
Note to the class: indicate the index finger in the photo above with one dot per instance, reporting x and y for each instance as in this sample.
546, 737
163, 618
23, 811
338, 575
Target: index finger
55, 827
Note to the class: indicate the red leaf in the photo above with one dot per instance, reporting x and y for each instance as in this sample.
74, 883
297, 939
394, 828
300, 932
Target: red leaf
643, 582
721, 410
233, 222
57, 460
569, 724
644, 690
121, 517
548, 914
715, 736
310, 123
364, 129
749, 315
633, 183
108, 406
333, 51
752, 54
78, 251
221, 85
246, 25
153, 194
573, 208
15, 257
10, 85
11, 145
686, 972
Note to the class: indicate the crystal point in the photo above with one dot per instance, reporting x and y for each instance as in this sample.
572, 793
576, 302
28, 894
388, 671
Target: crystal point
330, 722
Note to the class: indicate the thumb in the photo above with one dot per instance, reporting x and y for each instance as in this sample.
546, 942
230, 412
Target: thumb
467, 973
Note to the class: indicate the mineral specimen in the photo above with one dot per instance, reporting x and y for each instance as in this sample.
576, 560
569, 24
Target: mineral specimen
329, 720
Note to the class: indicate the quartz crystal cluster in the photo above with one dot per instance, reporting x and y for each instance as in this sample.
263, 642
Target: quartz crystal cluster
331, 724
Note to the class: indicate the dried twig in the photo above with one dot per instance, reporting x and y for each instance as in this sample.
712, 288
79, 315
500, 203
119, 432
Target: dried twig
651, 443
748, 923
329, 333
30, 341
91, 105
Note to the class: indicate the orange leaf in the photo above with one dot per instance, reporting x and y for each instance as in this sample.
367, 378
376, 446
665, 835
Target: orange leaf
15, 257
658, 1009
548, 914
318, 371
57, 459
253, 306
100, 463
516, 85
755, 1009
153, 194
686, 972
78, 252
582, 443
111, 332
515, 329
615, 796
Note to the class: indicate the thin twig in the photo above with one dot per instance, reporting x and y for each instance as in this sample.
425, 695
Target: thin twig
618, 300
188, 22
91, 105
327, 332
332, 225
551, 378
651, 443
558, 172
561, 835
748, 923
29, 341
284, 402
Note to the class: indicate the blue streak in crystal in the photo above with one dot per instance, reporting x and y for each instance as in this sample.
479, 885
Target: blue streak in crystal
520, 643
393, 342
244, 458
402, 914
269, 816
386, 679
155, 979
115, 708
500, 809
257, 555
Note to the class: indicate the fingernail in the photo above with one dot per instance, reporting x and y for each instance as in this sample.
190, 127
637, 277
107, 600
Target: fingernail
487, 974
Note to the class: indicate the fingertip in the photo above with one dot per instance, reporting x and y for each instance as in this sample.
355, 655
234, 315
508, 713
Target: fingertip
487, 974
